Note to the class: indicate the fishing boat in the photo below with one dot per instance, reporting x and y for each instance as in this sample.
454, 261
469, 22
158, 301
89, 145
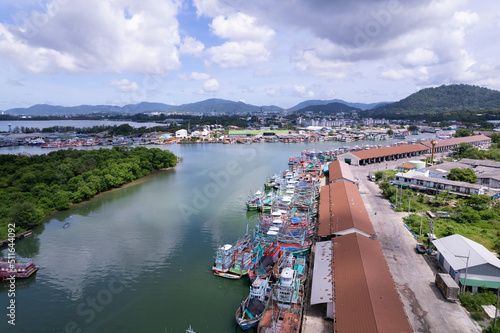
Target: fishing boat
243, 257
264, 265
284, 310
224, 259
255, 201
19, 268
252, 308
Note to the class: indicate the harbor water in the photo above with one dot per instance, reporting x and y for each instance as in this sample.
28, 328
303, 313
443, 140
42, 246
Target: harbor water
138, 258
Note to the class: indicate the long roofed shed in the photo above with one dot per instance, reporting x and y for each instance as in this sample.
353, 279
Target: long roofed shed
366, 299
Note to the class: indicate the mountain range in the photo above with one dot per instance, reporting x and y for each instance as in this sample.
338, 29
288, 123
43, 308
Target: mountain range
426, 101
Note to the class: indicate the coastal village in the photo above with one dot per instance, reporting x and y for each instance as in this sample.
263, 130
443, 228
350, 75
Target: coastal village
316, 239
317, 205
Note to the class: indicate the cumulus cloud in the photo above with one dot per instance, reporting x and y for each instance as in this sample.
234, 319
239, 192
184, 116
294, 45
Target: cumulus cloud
302, 91
420, 56
125, 85
410, 33
210, 86
191, 46
194, 76
96, 37
240, 27
247, 41
239, 54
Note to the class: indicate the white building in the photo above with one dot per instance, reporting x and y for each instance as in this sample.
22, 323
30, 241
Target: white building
182, 133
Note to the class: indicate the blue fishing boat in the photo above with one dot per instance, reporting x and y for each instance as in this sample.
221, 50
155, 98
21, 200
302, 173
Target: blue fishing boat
252, 308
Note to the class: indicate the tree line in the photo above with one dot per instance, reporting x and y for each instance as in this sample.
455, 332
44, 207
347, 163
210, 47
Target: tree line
31, 187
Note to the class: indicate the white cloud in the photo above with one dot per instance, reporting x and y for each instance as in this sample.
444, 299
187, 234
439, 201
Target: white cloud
308, 62
401, 74
194, 76
240, 27
125, 85
420, 56
302, 91
239, 54
199, 76
210, 86
247, 41
96, 37
270, 92
191, 46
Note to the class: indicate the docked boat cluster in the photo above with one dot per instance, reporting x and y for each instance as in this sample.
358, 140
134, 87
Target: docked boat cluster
275, 256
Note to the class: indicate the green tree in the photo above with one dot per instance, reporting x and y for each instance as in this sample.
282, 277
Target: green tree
479, 202
461, 132
495, 137
390, 132
25, 215
463, 175
413, 128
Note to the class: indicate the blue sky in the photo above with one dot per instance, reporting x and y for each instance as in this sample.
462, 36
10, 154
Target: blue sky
72, 52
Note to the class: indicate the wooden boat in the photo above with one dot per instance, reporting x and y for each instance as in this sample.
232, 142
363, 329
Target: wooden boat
252, 308
223, 260
284, 310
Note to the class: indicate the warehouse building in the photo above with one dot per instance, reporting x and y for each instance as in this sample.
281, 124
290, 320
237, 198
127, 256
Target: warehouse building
380, 155
469, 263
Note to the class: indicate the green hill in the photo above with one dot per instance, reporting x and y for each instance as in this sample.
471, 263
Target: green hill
329, 108
442, 99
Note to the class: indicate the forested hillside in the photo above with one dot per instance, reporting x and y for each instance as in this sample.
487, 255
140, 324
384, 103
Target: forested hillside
435, 101
31, 187
329, 108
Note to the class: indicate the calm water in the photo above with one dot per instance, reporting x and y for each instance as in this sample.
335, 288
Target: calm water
138, 259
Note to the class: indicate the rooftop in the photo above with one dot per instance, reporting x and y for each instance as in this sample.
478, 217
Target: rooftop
364, 288
457, 245
388, 151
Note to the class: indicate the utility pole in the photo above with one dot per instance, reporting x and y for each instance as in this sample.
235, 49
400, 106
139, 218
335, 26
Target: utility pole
466, 268
421, 218
401, 195
496, 311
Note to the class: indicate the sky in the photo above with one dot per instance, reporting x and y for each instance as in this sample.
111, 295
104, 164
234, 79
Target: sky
261, 52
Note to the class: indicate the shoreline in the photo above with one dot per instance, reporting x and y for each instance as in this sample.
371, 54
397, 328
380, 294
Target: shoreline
29, 232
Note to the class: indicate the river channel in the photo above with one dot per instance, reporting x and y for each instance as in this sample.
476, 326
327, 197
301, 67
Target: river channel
138, 258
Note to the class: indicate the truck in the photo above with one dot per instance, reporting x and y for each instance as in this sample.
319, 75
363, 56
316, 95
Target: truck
371, 176
448, 286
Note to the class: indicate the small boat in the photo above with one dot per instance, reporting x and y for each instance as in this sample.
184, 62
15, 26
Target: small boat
420, 248
252, 308
20, 268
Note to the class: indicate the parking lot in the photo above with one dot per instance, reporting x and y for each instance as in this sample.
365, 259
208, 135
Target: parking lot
413, 273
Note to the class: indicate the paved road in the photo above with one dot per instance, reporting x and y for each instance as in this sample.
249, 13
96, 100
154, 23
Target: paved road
413, 274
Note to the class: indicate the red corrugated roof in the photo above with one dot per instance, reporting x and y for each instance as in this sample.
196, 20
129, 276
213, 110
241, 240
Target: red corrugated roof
407, 165
339, 170
341, 208
365, 295
347, 208
388, 151
457, 141
324, 212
